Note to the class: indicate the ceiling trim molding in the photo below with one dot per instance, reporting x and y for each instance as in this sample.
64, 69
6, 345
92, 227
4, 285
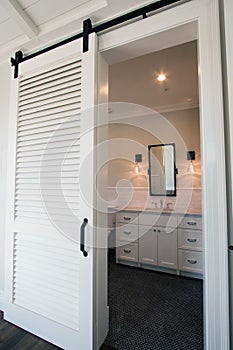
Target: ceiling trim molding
176, 107
21, 17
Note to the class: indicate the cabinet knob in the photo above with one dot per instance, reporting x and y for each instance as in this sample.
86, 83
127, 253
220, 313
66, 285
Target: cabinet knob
191, 223
191, 261
127, 251
191, 240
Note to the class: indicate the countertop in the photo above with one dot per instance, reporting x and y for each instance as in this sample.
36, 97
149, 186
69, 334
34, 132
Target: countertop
174, 211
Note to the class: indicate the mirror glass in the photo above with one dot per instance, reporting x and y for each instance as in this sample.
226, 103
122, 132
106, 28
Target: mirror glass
162, 170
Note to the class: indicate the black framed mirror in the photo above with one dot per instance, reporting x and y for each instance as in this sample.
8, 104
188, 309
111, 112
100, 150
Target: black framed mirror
162, 169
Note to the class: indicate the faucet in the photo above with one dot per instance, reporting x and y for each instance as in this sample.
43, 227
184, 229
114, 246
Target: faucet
155, 204
161, 203
168, 205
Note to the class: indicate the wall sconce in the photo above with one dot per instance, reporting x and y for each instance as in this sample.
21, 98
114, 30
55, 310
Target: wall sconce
138, 159
191, 157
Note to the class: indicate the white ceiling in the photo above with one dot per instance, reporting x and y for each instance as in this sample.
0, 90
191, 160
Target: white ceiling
31, 24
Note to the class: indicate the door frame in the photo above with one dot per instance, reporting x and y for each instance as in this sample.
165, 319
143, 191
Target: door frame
201, 18
226, 12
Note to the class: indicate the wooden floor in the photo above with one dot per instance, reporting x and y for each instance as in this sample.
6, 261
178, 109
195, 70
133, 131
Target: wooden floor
14, 338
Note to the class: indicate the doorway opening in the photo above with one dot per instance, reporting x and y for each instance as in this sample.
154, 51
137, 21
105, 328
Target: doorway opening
156, 241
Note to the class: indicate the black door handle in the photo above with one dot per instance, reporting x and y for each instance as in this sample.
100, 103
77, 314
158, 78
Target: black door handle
82, 237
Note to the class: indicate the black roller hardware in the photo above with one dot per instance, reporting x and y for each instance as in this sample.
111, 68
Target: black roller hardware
88, 29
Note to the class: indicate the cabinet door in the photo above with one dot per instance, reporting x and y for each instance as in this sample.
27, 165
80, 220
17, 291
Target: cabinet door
167, 247
148, 245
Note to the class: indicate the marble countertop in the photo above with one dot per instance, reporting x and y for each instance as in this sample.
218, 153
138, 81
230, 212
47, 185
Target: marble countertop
173, 211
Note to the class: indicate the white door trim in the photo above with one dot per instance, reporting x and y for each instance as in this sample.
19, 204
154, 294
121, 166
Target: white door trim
228, 46
1, 300
203, 13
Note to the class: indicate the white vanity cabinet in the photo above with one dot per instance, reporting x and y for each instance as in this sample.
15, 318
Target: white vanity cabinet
160, 241
190, 245
127, 237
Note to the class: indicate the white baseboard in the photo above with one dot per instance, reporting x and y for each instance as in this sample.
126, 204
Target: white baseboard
1, 301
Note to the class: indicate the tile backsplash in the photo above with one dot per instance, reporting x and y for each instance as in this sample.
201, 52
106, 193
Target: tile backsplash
139, 197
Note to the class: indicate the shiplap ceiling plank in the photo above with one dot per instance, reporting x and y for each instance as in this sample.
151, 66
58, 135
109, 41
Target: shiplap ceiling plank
63, 19
21, 17
4, 15
54, 9
11, 28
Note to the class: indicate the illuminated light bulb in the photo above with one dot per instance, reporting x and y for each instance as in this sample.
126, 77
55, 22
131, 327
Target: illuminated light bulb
161, 77
136, 169
191, 167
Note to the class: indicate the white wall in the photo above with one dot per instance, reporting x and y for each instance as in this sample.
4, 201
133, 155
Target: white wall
5, 78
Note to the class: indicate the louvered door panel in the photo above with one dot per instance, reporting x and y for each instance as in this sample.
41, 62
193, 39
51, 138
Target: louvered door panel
47, 185
41, 289
49, 282
48, 147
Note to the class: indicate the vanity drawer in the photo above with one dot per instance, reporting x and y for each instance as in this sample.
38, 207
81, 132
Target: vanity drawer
190, 261
191, 222
127, 252
127, 233
189, 239
127, 217
152, 219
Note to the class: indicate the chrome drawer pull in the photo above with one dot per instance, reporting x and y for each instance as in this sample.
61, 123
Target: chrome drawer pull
127, 232
191, 261
192, 223
191, 240
127, 251
127, 218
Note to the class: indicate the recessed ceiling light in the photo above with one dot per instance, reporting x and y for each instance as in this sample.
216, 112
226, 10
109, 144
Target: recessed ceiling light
161, 77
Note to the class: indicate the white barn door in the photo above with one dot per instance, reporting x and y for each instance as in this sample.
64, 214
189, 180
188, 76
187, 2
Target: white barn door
49, 280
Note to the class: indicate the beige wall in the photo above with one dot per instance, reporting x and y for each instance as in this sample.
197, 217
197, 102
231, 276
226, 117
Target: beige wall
133, 82
128, 140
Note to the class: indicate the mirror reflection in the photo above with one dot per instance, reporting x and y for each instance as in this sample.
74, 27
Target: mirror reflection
162, 170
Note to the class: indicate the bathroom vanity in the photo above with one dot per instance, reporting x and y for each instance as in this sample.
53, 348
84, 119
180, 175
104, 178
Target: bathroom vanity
168, 241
